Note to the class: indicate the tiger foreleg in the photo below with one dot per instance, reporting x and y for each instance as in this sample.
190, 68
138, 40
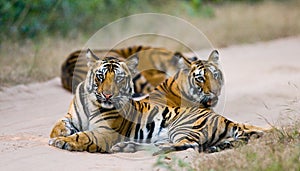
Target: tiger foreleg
91, 141
63, 127
76, 142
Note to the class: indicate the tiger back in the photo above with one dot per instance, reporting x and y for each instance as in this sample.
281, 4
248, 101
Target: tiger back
156, 64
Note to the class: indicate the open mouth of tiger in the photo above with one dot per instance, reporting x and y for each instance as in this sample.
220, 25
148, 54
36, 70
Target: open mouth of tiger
105, 103
208, 101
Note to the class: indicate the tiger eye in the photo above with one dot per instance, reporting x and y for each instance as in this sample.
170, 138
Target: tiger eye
216, 75
200, 79
100, 76
119, 78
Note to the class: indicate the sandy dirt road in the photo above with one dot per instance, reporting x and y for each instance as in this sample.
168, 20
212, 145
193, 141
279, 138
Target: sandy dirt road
262, 80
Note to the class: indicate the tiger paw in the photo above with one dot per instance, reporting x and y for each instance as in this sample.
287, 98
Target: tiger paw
225, 145
212, 149
63, 128
63, 143
126, 147
219, 147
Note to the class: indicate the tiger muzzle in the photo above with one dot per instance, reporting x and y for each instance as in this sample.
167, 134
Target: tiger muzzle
210, 101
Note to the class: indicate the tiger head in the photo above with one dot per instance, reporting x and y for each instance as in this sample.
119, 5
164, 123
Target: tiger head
203, 80
109, 79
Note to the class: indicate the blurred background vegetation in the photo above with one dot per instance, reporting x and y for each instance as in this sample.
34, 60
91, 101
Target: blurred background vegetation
37, 35
31, 19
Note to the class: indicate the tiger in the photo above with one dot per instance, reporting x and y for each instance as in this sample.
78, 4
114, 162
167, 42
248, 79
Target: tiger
103, 114
156, 64
197, 83
74, 68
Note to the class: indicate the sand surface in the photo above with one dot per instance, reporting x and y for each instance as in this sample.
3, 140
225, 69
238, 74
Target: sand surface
262, 81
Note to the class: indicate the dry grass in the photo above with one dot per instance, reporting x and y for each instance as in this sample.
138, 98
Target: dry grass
279, 150
34, 62
276, 151
246, 23
233, 24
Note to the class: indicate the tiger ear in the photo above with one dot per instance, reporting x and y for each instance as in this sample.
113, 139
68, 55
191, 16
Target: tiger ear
91, 58
132, 63
185, 63
214, 57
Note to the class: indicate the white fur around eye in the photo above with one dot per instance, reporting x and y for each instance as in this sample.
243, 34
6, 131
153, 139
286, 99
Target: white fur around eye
119, 78
216, 75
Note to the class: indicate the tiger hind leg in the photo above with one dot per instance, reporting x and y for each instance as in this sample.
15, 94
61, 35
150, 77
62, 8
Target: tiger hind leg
228, 143
243, 135
244, 132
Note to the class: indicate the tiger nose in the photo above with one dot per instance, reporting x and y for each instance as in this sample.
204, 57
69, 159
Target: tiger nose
107, 95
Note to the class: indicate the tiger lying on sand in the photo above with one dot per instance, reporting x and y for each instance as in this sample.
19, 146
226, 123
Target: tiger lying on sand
103, 114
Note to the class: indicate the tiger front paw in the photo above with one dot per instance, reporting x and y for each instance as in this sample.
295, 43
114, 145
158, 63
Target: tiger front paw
63, 128
64, 143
